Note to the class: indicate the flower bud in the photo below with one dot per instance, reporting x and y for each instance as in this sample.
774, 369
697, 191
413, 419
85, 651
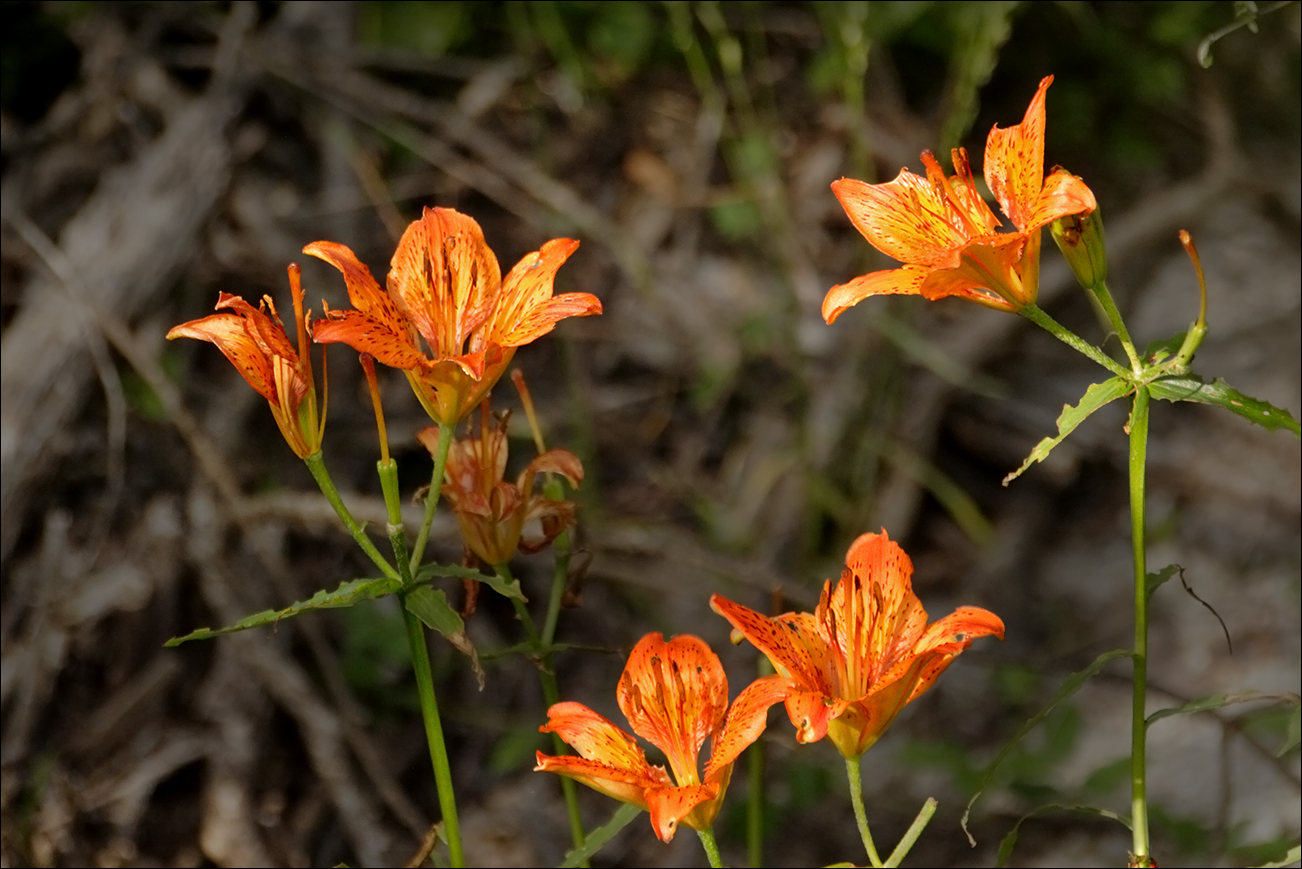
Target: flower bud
1080, 238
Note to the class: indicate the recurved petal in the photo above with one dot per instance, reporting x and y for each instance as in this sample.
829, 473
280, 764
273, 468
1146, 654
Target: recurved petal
266, 330
964, 624
365, 334
907, 219
811, 712
1014, 161
792, 642
363, 291
231, 335
1063, 195
627, 786
906, 280
674, 695
595, 738
746, 720
669, 805
530, 284
559, 461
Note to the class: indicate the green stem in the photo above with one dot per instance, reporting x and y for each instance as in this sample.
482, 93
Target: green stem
1104, 295
860, 816
1138, 727
432, 499
711, 847
316, 464
552, 696
911, 835
438, 751
388, 471
1072, 340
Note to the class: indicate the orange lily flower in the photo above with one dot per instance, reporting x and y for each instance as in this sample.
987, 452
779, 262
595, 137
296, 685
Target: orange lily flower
847, 669
256, 344
675, 695
445, 286
945, 233
492, 512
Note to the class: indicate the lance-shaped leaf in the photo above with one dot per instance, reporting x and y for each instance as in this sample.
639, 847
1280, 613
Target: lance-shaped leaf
496, 583
1095, 397
1010, 841
431, 606
1154, 581
1190, 387
346, 595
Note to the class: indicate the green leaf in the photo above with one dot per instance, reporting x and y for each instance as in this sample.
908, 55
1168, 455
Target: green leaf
1192, 388
1293, 855
1009, 841
597, 838
1294, 734
431, 606
346, 595
1069, 686
492, 580
1153, 581
1095, 397
1216, 701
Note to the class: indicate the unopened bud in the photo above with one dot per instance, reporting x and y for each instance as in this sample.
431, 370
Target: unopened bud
1080, 238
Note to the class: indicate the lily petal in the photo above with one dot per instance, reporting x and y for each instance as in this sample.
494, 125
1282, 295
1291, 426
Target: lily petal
906, 280
1014, 161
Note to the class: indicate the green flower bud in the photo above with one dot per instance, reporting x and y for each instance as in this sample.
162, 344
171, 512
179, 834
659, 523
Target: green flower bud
1080, 238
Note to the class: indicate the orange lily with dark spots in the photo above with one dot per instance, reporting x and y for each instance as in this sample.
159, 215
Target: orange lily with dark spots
448, 319
945, 233
846, 670
254, 340
675, 695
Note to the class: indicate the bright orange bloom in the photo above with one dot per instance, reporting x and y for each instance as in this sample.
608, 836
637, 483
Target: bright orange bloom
674, 695
945, 233
256, 344
847, 669
492, 512
445, 287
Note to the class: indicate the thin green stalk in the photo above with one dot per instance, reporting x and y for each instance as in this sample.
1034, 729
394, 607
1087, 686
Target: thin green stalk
1138, 727
911, 835
860, 816
1104, 295
432, 499
552, 696
711, 847
429, 707
438, 750
1071, 339
316, 464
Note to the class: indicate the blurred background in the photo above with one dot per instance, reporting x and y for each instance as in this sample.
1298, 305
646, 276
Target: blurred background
156, 154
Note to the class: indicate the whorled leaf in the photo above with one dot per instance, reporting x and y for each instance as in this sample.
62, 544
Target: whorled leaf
1095, 397
1069, 686
346, 595
1190, 387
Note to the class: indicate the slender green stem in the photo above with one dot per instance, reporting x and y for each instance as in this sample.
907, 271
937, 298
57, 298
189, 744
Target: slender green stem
552, 696
1104, 295
1071, 339
432, 498
860, 816
316, 464
388, 471
911, 835
438, 750
560, 576
1138, 727
711, 846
